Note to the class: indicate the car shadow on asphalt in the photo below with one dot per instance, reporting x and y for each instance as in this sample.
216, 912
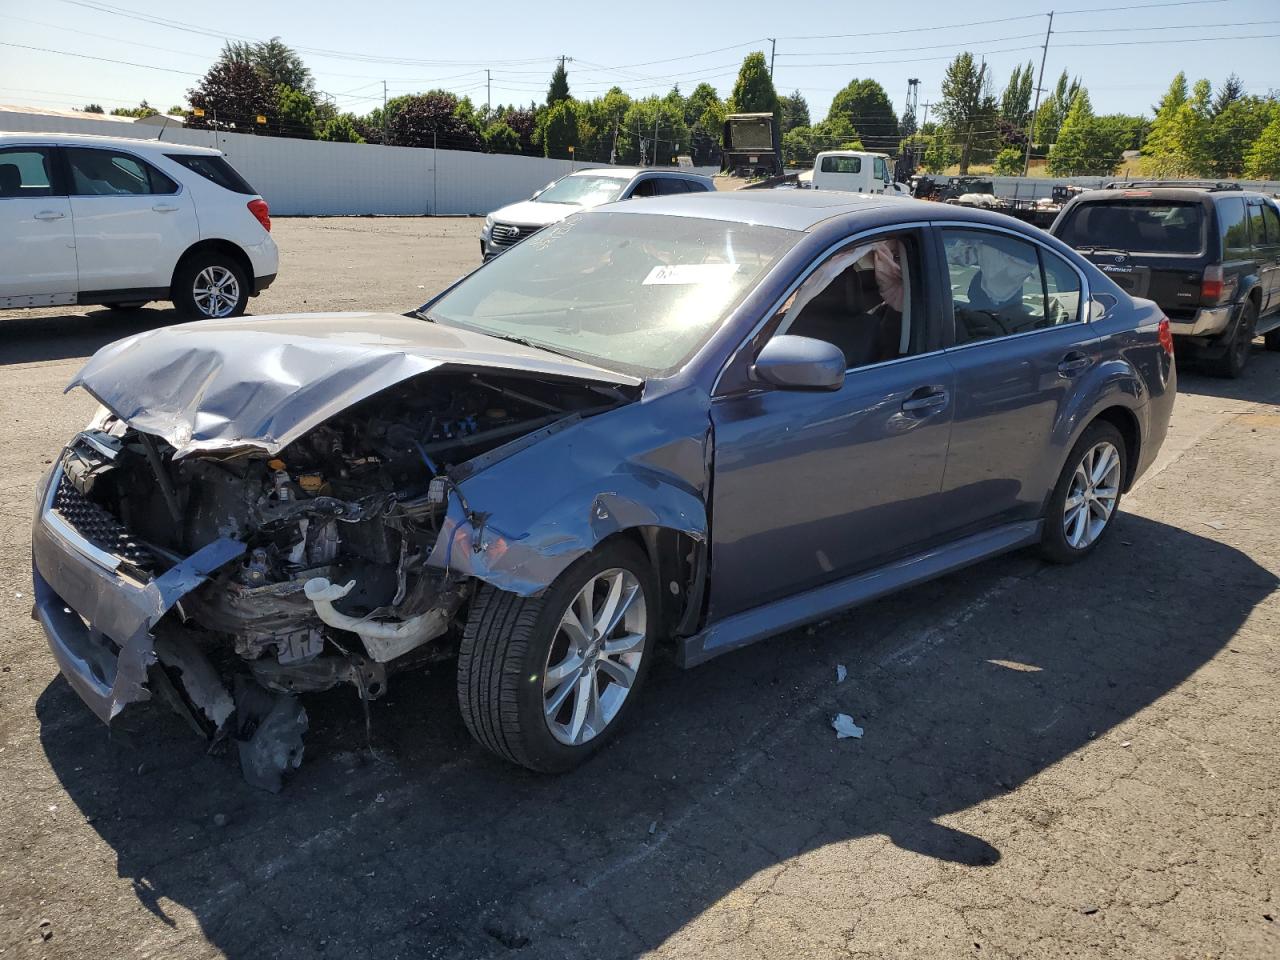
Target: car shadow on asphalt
967, 687
36, 339
1260, 382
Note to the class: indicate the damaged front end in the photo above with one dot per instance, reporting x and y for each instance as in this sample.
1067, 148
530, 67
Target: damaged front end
230, 580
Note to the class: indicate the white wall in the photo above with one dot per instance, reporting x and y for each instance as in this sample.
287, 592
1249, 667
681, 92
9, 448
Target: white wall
311, 177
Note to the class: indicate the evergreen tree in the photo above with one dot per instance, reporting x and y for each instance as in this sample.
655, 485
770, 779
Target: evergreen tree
1233, 130
753, 91
1015, 102
703, 96
1178, 145
1230, 91
968, 109
795, 111
1080, 149
1263, 159
559, 89
867, 108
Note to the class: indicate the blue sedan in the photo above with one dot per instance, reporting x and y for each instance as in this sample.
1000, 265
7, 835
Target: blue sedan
697, 420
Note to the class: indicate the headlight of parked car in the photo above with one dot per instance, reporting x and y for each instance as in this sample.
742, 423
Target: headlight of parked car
488, 226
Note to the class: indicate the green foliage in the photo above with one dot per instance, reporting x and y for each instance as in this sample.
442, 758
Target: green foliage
1008, 162
801, 145
866, 107
1230, 91
795, 111
1178, 145
1079, 150
92, 108
753, 91
343, 128
431, 120
1262, 162
295, 114
704, 96
559, 89
942, 151
969, 110
1233, 129
561, 130
232, 95
143, 109
277, 62
1015, 102
1053, 110
500, 138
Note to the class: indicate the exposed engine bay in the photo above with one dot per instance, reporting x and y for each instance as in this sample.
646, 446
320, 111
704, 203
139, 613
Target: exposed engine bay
332, 586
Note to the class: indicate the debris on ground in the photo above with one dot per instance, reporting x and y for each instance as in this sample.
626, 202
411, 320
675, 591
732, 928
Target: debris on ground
653, 826
844, 726
841, 673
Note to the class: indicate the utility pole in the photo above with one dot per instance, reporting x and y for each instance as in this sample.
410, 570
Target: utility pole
384, 113
488, 94
656, 115
1031, 123
773, 49
923, 123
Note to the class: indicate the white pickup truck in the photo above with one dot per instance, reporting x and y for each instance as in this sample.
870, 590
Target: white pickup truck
854, 171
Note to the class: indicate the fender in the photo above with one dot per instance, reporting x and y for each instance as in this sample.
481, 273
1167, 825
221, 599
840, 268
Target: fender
519, 522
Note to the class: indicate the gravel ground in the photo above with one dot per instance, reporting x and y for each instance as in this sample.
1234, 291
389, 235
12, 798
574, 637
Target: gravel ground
1057, 761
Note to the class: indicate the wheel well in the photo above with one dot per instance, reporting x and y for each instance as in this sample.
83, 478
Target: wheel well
678, 561
1123, 420
224, 247
1255, 294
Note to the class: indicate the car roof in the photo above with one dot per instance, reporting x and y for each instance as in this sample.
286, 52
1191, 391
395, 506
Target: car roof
93, 140
799, 210
630, 173
1189, 194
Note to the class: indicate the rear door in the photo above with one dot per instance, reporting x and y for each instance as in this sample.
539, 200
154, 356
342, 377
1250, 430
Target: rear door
1269, 255
132, 222
1020, 349
37, 241
1150, 246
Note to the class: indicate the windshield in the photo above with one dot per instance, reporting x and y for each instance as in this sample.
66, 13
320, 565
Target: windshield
587, 191
631, 292
1148, 226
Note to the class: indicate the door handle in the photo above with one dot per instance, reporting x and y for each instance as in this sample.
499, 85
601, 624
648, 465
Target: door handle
50, 215
926, 399
165, 208
1073, 363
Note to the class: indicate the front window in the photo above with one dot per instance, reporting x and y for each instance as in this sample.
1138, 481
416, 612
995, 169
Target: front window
584, 191
636, 293
1135, 226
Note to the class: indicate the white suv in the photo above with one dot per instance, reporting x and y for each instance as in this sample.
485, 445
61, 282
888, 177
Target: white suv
122, 222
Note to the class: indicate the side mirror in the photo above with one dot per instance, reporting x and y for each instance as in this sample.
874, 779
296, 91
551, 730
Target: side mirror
800, 363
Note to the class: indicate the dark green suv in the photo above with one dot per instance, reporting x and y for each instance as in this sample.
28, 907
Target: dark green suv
1207, 253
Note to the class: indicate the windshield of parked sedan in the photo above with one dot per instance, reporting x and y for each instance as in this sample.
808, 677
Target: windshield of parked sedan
586, 191
632, 292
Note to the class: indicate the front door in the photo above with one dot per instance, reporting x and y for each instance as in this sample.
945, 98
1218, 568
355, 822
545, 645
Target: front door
38, 265
132, 221
1021, 348
809, 487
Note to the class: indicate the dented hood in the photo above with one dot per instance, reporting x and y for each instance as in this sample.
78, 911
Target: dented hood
264, 381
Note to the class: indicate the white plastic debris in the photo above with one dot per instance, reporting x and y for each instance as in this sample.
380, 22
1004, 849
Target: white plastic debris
841, 673
844, 726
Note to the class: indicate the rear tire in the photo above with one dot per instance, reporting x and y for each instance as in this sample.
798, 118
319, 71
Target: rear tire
1232, 363
210, 286
1084, 502
521, 677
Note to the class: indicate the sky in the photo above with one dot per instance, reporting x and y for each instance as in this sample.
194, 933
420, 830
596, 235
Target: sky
1125, 57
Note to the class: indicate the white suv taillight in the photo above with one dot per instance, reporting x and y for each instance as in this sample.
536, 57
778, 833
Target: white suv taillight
260, 210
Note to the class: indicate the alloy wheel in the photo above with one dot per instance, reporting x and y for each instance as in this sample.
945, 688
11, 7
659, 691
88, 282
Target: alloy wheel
1091, 499
216, 291
594, 657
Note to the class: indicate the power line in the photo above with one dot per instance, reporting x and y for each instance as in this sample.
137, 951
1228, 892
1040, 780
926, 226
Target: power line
85, 56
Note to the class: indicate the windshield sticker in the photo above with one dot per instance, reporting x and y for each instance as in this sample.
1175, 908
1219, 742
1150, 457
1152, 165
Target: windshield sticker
691, 273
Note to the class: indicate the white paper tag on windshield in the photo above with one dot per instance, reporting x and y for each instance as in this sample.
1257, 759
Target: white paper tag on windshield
691, 273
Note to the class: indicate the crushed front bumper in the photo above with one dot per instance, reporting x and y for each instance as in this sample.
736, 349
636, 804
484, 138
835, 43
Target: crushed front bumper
97, 618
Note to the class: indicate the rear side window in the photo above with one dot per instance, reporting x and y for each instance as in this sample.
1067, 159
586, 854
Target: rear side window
1257, 227
108, 173
1137, 225
1234, 227
841, 164
1273, 224
670, 185
215, 169
24, 172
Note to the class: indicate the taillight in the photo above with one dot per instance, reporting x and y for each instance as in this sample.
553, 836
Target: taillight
1211, 285
1165, 337
260, 210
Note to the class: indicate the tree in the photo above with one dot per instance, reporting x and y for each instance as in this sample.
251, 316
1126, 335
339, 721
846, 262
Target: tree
500, 138
277, 62
753, 91
524, 121
1015, 102
561, 130
696, 104
867, 108
942, 151
430, 120
1233, 130
640, 122
343, 128
1080, 149
1054, 110
802, 144
232, 95
1008, 162
795, 111
1263, 159
1230, 91
92, 108
295, 114
1178, 145
559, 89
143, 109
968, 108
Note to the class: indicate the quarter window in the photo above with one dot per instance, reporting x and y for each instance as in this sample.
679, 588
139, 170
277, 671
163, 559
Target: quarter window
1256, 225
1002, 286
25, 172
1234, 226
1273, 225
106, 173
667, 186
861, 300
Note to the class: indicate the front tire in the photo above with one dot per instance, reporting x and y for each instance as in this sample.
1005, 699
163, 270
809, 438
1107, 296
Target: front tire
545, 682
1086, 496
210, 286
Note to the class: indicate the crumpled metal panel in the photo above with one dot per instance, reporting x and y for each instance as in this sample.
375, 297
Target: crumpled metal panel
262, 382
529, 516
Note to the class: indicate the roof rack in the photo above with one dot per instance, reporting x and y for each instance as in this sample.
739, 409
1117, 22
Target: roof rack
1210, 185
